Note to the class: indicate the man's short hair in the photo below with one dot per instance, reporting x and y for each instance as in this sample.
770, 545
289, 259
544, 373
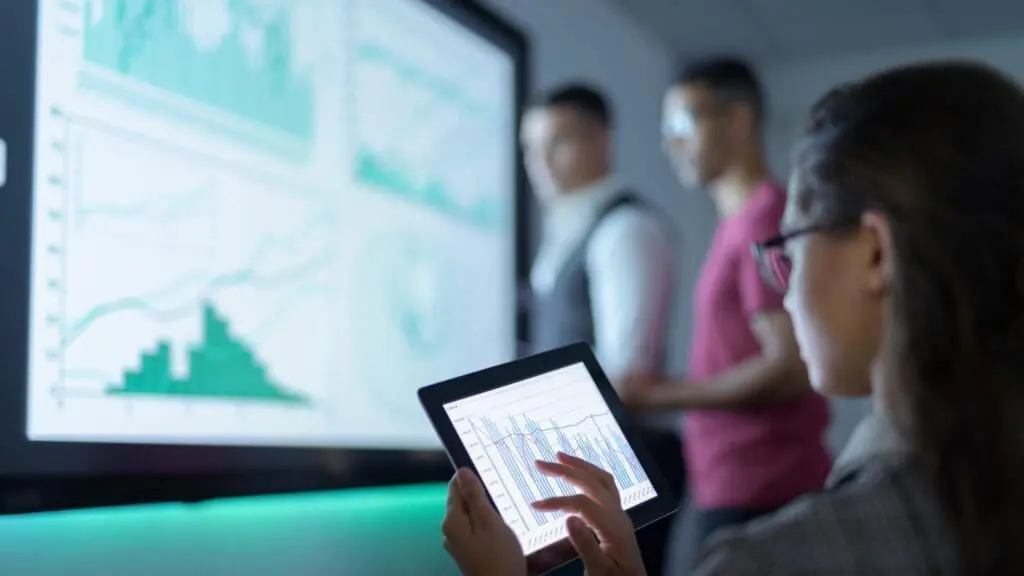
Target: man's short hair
728, 77
583, 98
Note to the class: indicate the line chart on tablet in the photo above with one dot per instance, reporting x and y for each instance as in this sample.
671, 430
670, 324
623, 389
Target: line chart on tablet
507, 430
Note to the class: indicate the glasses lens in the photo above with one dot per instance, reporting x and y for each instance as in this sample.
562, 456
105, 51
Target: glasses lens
677, 124
777, 268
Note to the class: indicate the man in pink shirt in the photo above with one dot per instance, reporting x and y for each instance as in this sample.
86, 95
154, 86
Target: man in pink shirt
753, 428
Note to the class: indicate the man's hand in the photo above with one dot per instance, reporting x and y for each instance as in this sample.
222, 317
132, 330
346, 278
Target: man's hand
475, 535
638, 391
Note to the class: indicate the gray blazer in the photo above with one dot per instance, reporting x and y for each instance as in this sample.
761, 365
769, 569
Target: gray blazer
875, 517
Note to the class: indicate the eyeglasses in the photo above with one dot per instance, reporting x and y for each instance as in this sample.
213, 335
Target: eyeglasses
772, 259
679, 125
682, 124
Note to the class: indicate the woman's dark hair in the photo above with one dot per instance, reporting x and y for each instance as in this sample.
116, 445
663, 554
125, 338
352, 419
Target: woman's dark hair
938, 148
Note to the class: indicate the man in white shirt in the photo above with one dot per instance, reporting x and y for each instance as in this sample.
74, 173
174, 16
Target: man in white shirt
604, 273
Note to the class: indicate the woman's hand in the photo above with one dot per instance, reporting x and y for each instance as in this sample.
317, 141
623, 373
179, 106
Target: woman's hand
599, 529
475, 535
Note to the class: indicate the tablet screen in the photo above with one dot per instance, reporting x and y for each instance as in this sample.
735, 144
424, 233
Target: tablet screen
506, 430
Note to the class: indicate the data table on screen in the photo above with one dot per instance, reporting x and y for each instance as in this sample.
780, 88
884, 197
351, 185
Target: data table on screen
507, 430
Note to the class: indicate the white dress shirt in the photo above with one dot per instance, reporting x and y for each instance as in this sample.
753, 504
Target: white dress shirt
631, 271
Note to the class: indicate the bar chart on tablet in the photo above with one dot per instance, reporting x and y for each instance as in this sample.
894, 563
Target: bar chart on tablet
507, 430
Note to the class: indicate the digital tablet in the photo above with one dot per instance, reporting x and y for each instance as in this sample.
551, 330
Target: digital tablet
501, 420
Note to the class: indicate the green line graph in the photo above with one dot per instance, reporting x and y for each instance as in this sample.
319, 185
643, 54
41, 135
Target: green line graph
235, 73
249, 275
185, 283
404, 110
442, 88
246, 277
390, 177
272, 321
176, 208
220, 366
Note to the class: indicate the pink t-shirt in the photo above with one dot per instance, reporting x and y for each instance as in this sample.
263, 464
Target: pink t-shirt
759, 458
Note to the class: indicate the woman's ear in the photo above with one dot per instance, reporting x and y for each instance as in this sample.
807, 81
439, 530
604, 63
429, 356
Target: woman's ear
879, 250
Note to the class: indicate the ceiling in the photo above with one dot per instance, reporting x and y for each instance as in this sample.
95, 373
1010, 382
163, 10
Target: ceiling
772, 30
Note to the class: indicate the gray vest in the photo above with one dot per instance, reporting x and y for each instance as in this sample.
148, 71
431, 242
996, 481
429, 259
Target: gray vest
562, 316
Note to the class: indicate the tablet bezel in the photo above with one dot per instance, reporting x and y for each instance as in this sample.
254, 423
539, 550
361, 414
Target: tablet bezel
435, 396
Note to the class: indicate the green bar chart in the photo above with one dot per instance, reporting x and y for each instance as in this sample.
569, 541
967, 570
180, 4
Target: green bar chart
220, 366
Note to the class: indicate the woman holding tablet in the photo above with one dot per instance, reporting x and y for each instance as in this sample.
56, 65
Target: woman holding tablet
903, 261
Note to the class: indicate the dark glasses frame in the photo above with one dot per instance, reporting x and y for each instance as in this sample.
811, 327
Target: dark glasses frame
763, 251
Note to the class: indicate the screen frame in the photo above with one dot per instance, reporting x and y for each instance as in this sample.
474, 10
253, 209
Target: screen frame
436, 396
137, 473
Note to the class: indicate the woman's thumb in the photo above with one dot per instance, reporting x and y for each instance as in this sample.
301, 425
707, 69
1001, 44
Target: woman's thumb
586, 544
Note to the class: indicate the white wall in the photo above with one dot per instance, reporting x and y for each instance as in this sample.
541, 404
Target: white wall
592, 41
793, 88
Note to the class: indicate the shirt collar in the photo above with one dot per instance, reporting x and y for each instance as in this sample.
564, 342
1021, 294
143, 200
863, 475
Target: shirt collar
578, 208
872, 438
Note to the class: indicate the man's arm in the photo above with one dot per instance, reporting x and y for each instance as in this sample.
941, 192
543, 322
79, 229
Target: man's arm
775, 375
631, 271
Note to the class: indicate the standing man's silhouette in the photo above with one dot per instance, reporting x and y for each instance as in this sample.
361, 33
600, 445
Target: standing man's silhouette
605, 270
753, 428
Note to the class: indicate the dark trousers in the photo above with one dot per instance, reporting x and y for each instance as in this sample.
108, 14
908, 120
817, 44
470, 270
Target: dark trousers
667, 451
